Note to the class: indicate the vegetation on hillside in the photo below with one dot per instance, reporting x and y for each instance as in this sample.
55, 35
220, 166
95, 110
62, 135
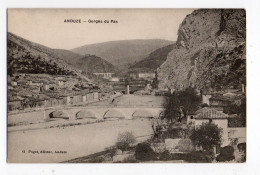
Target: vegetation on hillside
51, 61
154, 60
20, 60
122, 53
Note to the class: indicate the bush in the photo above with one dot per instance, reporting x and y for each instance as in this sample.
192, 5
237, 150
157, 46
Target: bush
185, 145
125, 140
199, 157
165, 155
144, 152
242, 148
179, 156
96, 160
130, 159
175, 133
111, 151
226, 154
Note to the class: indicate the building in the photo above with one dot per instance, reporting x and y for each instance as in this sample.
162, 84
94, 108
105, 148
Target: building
35, 83
205, 98
95, 95
114, 79
143, 75
60, 83
13, 83
104, 75
46, 87
206, 115
219, 102
14, 104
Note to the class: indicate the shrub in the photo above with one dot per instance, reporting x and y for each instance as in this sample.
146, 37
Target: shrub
175, 132
179, 156
111, 151
226, 154
242, 149
185, 145
199, 157
165, 155
96, 160
144, 152
125, 140
130, 159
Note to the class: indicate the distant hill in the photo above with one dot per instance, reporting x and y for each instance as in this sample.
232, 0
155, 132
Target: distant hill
87, 63
25, 56
154, 60
123, 53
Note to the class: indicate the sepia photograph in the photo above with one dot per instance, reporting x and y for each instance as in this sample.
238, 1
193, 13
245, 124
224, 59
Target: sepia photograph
126, 85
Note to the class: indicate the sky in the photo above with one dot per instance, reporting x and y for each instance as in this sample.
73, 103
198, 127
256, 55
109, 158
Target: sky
47, 26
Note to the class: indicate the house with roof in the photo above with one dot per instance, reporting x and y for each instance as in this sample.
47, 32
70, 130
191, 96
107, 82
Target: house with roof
208, 114
13, 83
219, 102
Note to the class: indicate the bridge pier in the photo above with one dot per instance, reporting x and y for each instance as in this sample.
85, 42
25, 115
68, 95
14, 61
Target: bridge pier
127, 89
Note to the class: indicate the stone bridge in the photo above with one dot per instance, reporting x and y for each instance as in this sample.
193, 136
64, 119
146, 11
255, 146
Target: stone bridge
105, 112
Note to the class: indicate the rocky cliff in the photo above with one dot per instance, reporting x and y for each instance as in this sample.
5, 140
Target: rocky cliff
209, 53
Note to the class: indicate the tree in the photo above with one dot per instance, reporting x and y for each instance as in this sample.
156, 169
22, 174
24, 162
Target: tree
189, 100
125, 141
144, 152
240, 110
207, 136
172, 111
179, 104
226, 154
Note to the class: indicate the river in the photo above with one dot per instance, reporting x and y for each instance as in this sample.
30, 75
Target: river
53, 145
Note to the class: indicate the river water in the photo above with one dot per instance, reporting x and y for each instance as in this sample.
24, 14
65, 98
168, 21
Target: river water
54, 145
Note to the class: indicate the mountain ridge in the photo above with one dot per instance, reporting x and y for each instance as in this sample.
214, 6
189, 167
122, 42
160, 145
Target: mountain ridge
63, 59
123, 53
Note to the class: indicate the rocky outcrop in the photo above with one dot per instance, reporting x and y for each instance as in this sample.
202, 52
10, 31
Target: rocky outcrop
209, 53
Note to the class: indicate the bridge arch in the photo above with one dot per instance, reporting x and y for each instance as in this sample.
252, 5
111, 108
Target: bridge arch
59, 114
142, 113
86, 114
113, 113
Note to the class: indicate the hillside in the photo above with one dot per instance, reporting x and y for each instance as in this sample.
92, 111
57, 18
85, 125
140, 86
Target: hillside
88, 63
97, 64
210, 51
25, 56
123, 53
154, 60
